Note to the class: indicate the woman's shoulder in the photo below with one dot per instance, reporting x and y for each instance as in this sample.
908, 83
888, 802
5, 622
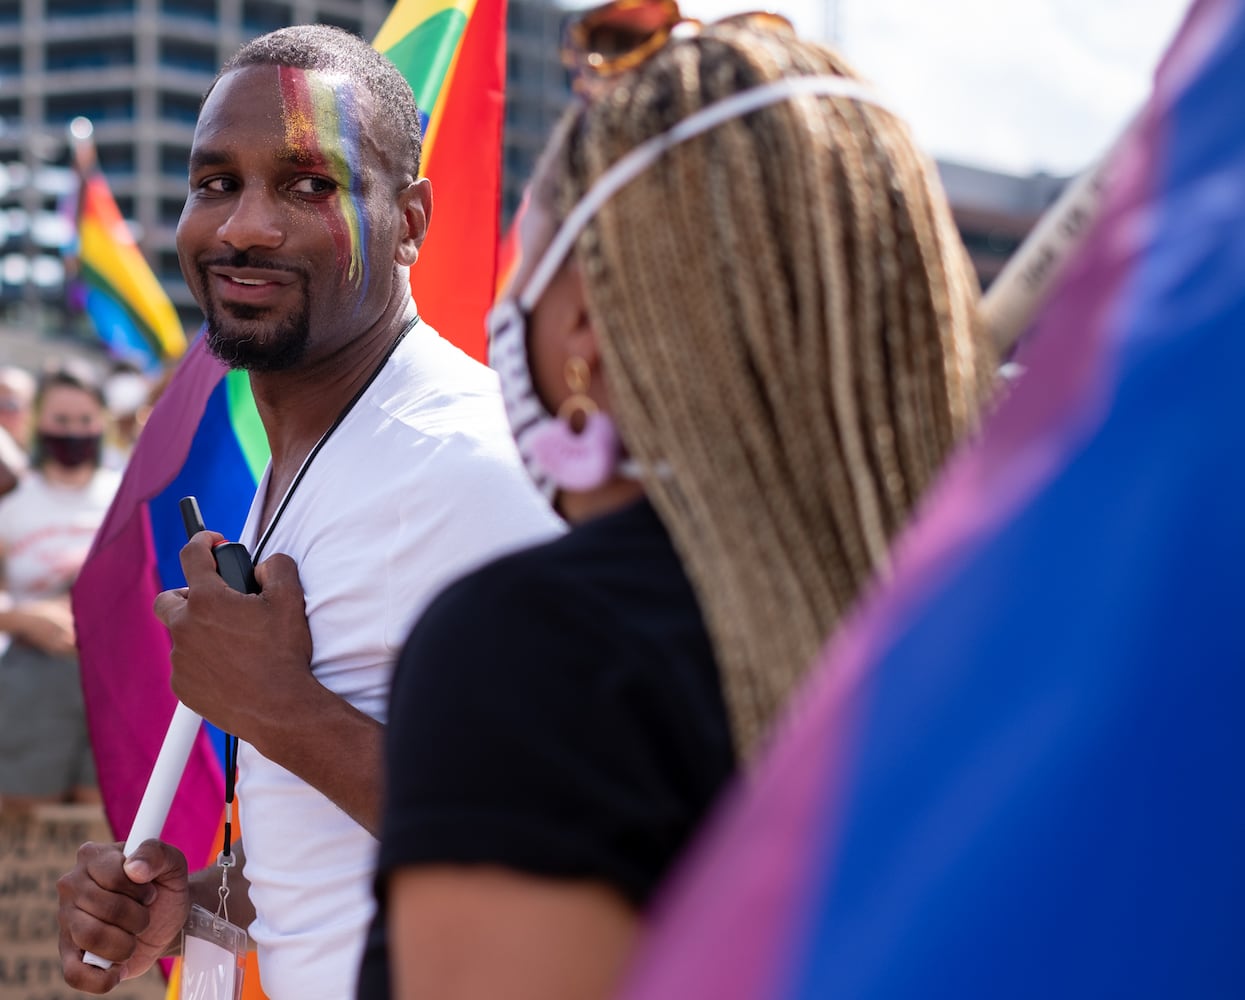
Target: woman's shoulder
500, 637
509, 605
531, 571
555, 689
585, 581
576, 612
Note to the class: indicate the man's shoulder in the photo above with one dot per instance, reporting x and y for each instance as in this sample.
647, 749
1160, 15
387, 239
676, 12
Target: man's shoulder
431, 366
433, 389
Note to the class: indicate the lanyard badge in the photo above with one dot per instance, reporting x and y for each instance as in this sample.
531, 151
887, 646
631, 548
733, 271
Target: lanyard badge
213, 949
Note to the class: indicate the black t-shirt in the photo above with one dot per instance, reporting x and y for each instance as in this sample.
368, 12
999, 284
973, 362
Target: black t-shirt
557, 712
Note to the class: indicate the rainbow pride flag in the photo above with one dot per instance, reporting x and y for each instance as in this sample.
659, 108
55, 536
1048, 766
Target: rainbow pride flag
204, 436
130, 310
1017, 772
452, 52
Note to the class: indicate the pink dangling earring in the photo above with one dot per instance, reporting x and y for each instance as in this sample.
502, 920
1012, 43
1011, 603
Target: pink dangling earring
577, 460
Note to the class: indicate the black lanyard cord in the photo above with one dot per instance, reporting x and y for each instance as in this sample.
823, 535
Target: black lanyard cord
302, 469
231, 742
231, 777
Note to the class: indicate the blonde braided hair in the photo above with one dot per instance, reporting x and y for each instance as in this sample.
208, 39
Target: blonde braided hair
786, 320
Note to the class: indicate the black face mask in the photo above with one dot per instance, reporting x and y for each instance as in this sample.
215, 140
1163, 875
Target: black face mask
70, 451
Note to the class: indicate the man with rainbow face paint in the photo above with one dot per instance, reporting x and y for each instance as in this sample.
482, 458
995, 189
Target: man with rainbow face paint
392, 473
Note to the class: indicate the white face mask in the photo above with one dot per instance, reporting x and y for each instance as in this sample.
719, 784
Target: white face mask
507, 320
507, 355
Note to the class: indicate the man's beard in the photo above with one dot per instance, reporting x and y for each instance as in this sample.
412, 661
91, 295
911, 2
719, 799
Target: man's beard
281, 346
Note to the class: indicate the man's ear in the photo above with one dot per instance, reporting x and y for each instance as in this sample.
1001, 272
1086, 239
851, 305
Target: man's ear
415, 202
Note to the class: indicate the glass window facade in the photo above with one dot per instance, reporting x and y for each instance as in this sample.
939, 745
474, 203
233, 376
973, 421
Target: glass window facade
179, 108
174, 162
99, 53
196, 57
170, 212
259, 16
101, 107
351, 24
195, 10
87, 8
115, 160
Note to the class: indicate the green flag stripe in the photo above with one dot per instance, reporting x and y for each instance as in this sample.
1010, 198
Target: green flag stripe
424, 55
244, 419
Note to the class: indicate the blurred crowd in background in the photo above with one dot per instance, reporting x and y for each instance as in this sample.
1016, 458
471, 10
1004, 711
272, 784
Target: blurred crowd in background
66, 433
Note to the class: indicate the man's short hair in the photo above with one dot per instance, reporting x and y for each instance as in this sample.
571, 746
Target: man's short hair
327, 48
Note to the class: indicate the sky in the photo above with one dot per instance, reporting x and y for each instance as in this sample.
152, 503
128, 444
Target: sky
1015, 85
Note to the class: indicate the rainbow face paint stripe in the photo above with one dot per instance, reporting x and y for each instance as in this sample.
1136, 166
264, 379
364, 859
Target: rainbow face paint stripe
322, 127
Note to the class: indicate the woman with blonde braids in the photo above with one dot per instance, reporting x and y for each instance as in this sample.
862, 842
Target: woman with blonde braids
739, 347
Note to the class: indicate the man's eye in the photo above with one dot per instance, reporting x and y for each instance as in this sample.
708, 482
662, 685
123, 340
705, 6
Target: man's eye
217, 185
313, 185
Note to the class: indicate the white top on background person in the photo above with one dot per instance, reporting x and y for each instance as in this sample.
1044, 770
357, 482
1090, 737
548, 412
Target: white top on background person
46, 530
48, 522
47, 525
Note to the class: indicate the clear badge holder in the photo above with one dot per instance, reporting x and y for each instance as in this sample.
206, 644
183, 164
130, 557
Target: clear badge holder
213, 949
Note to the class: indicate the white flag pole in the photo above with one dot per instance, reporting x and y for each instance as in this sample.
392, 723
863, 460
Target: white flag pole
166, 775
1011, 302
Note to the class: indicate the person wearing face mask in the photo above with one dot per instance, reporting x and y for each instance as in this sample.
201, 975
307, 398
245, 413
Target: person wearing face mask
46, 527
740, 344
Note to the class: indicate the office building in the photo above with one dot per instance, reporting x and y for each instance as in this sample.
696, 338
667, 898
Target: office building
537, 90
994, 211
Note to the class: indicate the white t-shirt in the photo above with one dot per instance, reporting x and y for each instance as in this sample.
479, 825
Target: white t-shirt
46, 532
419, 484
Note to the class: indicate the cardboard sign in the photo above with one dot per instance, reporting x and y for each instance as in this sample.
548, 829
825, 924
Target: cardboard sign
35, 850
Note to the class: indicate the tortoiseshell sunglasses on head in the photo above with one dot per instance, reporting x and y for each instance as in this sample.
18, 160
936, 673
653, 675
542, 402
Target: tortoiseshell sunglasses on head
618, 36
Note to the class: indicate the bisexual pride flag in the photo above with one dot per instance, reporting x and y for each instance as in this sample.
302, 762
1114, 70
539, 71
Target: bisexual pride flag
1017, 772
204, 436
